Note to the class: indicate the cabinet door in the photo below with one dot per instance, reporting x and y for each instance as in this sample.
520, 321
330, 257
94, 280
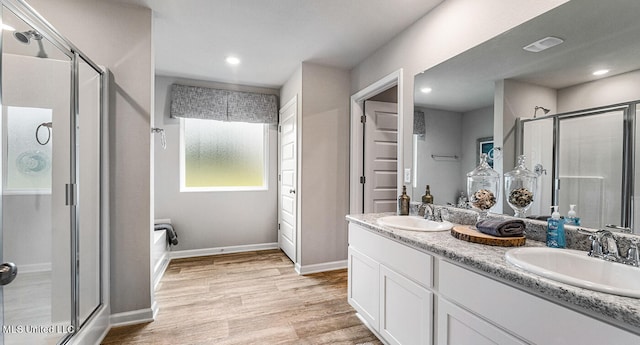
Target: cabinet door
363, 287
405, 310
457, 326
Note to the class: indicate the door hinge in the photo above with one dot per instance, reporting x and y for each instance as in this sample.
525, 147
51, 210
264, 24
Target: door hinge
363, 119
279, 129
278, 226
363, 179
279, 177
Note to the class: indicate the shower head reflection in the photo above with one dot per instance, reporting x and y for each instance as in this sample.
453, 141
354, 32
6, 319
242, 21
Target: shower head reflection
25, 37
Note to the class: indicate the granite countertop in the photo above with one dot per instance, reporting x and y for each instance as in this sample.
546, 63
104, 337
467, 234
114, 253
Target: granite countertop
621, 311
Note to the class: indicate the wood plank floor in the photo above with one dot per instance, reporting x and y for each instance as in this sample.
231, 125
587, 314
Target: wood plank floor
248, 298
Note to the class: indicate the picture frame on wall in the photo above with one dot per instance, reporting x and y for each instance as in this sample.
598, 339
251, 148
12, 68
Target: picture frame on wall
485, 145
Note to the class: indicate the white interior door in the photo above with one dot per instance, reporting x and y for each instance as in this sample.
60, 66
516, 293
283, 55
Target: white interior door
287, 179
380, 157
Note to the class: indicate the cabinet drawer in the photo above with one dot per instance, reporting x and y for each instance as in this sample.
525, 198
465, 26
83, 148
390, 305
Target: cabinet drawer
399, 257
457, 326
527, 316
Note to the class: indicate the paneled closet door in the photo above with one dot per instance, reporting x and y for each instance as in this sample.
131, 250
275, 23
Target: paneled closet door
36, 159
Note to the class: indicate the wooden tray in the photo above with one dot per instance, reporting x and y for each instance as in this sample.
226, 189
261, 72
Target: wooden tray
465, 233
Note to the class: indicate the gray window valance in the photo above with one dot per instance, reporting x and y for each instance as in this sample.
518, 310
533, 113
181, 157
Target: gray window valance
419, 126
223, 105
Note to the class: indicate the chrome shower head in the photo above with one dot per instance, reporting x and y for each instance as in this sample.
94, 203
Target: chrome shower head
545, 110
26, 36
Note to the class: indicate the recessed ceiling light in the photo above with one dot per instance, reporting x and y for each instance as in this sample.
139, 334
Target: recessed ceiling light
543, 44
7, 27
425, 90
601, 72
232, 60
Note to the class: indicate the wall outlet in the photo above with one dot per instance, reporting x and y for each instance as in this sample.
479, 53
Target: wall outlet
407, 175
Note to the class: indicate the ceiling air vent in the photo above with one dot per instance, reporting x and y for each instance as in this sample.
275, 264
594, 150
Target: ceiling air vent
543, 44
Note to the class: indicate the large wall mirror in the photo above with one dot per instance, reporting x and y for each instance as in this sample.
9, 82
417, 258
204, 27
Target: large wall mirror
470, 103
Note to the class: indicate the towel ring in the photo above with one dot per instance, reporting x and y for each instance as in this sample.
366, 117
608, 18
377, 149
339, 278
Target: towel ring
46, 125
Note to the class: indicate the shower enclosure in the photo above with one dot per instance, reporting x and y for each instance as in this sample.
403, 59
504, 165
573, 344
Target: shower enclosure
586, 158
52, 238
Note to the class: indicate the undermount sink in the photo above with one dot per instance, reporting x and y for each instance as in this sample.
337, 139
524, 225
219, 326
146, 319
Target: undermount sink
578, 269
414, 223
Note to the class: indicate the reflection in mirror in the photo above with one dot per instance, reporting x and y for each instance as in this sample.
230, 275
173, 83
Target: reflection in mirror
588, 168
502, 79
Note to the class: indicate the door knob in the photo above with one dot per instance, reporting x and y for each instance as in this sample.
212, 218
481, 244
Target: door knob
8, 272
292, 191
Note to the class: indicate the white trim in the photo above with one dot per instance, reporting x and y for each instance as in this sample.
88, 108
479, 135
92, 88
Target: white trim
191, 253
132, 317
94, 331
323, 267
160, 268
155, 308
355, 161
33, 268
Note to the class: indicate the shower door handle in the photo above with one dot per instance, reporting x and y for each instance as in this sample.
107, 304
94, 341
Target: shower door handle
8, 272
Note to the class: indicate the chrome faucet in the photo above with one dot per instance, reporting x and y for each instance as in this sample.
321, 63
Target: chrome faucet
605, 246
432, 213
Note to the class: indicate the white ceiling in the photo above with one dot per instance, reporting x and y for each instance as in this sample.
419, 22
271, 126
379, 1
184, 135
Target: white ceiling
272, 37
598, 34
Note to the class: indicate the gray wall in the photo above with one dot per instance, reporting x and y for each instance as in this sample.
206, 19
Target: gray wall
210, 219
606, 91
323, 161
475, 124
515, 99
443, 138
438, 36
118, 37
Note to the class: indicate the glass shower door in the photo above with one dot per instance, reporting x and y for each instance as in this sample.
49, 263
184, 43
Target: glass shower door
35, 151
590, 166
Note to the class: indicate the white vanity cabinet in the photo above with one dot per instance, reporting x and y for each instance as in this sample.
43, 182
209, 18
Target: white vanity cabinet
510, 311
389, 286
407, 296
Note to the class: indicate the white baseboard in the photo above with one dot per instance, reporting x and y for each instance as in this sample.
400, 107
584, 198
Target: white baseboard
32, 268
179, 254
94, 331
323, 267
160, 268
132, 317
155, 309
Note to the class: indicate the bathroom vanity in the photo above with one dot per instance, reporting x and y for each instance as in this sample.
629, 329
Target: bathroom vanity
413, 287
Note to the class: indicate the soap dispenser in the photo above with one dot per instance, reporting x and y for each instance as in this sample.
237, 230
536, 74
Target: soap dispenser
403, 202
555, 230
572, 218
427, 198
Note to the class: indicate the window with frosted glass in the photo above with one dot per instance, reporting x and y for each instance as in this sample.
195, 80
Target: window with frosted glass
220, 155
